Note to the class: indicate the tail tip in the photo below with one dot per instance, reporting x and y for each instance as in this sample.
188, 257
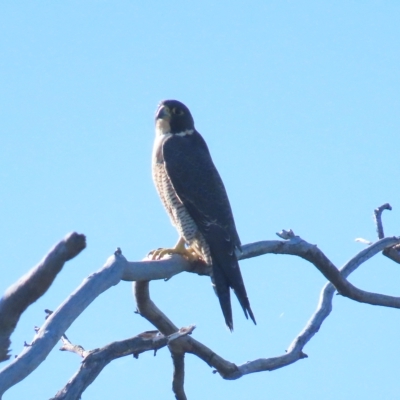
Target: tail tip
229, 324
250, 312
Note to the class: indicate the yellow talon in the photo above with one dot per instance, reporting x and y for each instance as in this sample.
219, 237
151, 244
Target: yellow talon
180, 248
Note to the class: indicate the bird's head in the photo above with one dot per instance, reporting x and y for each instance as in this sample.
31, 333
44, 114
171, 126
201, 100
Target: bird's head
174, 117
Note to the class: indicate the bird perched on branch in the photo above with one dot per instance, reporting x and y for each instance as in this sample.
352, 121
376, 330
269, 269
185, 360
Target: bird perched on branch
195, 198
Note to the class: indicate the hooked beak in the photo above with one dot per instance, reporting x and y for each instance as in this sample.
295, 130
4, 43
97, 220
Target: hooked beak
163, 113
163, 118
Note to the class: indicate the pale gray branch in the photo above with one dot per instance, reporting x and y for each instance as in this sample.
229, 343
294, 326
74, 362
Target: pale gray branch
378, 219
178, 378
148, 310
117, 268
299, 247
73, 348
294, 246
33, 285
95, 360
295, 350
367, 253
61, 319
391, 252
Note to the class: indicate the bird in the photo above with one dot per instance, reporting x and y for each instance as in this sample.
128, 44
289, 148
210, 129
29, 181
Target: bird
195, 198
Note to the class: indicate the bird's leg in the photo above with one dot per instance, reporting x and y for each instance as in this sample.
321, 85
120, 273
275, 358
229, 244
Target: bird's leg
179, 248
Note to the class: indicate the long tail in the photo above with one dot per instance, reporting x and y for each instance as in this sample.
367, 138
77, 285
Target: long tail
227, 275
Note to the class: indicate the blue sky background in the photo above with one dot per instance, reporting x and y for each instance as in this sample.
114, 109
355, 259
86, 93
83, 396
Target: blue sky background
299, 103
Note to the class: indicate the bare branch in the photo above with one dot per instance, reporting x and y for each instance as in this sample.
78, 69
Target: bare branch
97, 359
178, 375
391, 252
33, 285
226, 369
58, 322
294, 246
148, 310
118, 268
299, 247
368, 253
152, 270
67, 345
295, 350
378, 218
73, 348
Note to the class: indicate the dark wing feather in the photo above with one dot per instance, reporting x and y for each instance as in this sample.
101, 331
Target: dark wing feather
200, 188
198, 184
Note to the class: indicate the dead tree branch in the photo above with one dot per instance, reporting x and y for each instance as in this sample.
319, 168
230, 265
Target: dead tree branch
299, 247
66, 343
391, 252
378, 219
33, 285
178, 359
294, 245
73, 348
95, 360
117, 268
148, 310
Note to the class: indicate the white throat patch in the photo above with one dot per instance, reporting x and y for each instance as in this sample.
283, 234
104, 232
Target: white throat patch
163, 128
185, 133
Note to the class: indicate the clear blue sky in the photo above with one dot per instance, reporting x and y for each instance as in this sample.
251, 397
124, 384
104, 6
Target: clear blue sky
299, 103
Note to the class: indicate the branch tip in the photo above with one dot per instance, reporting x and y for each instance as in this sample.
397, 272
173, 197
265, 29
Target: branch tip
75, 243
286, 235
380, 209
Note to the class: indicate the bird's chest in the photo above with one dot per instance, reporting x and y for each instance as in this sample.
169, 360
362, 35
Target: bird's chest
178, 213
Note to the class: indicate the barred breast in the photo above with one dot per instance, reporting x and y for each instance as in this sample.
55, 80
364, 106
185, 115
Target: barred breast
180, 218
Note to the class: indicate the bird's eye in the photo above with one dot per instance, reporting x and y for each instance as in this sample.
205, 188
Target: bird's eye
177, 111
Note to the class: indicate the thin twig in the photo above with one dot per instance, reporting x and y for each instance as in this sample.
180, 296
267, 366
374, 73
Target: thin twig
378, 219
73, 348
391, 252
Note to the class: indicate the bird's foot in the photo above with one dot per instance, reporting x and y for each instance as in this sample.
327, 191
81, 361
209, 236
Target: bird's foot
179, 248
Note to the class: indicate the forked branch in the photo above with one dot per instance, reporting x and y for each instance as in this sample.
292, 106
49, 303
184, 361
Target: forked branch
95, 360
117, 268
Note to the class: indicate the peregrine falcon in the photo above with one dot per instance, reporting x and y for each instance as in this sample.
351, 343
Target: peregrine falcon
195, 198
